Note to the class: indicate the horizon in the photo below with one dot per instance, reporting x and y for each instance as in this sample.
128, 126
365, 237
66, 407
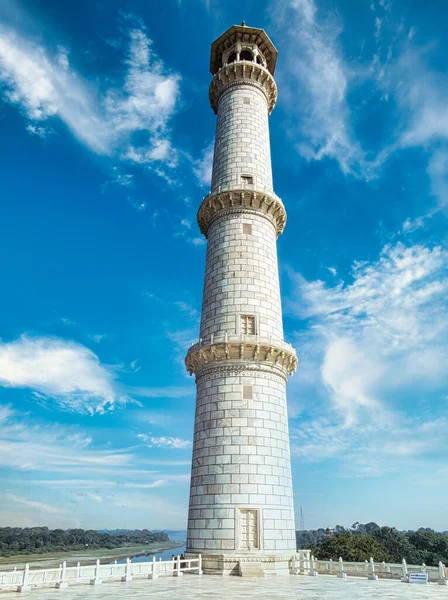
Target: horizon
107, 150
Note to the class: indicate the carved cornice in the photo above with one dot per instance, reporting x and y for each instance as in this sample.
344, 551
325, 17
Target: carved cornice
276, 356
232, 370
243, 72
241, 200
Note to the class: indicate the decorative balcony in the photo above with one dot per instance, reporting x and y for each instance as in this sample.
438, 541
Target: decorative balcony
241, 197
242, 349
243, 72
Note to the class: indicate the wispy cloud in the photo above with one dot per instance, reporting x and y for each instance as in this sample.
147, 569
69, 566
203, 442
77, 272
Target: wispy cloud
27, 446
203, 166
186, 308
164, 442
367, 342
371, 449
184, 231
40, 506
61, 371
420, 91
162, 392
315, 84
44, 86
52, 448
318, 78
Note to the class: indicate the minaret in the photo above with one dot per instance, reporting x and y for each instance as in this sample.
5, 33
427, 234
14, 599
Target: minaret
241, 516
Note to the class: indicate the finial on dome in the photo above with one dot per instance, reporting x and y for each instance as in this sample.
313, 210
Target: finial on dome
243, 23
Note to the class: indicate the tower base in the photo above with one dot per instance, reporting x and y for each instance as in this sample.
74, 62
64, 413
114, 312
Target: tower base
245, 564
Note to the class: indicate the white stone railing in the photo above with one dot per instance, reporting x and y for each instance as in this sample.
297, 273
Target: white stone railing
63, 576
305, 564
242, 338
243, 186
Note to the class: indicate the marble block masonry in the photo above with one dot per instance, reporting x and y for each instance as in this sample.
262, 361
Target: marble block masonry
241, 514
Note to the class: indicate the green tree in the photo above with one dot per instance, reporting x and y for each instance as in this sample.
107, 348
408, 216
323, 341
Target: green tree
352, 548
397, 545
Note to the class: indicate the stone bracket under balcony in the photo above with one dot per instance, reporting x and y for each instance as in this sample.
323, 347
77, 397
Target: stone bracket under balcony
243, 73
225, 201
249, 349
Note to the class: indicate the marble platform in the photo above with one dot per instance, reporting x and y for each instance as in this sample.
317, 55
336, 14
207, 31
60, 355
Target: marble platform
209, 587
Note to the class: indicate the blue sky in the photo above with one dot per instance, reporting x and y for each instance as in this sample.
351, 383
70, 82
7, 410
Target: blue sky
106, 155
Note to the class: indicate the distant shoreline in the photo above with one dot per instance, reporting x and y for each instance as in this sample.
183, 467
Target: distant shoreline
53, 559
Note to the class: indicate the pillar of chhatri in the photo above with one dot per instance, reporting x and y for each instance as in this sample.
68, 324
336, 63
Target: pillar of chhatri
241, 514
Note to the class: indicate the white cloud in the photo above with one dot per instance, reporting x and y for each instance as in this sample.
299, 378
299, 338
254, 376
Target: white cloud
161, 392
438, 173
368, 343
184, 232
388, 298
54, 448
411, 225
348, 372
40, 506
68, 466
370, 449
203, 166
315, 85
164, 442
42, 132
186, 308
420, 92
139, 205
45, 86
66, 372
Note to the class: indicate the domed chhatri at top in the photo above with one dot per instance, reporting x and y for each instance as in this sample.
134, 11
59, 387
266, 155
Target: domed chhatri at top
243, 43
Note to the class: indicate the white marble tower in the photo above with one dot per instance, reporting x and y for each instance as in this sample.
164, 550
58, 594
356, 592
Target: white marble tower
241, 516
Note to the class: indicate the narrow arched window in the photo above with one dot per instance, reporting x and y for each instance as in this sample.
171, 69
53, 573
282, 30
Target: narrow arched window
232, 58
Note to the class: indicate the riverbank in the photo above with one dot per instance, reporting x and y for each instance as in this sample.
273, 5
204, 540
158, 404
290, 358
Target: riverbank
86, 557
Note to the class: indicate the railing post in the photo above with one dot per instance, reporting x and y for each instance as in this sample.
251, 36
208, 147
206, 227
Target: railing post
341, 573
200, 564
313, 571
306, 562
371, 574
178, 572
61, 584
154, 572
404, 572
127, 574
442, 580
96, 580
24, 587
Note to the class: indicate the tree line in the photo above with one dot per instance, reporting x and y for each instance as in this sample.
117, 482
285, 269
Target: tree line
38, 540
361, 541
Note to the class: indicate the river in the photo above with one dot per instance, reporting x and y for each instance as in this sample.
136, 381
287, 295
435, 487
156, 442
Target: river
165, 555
